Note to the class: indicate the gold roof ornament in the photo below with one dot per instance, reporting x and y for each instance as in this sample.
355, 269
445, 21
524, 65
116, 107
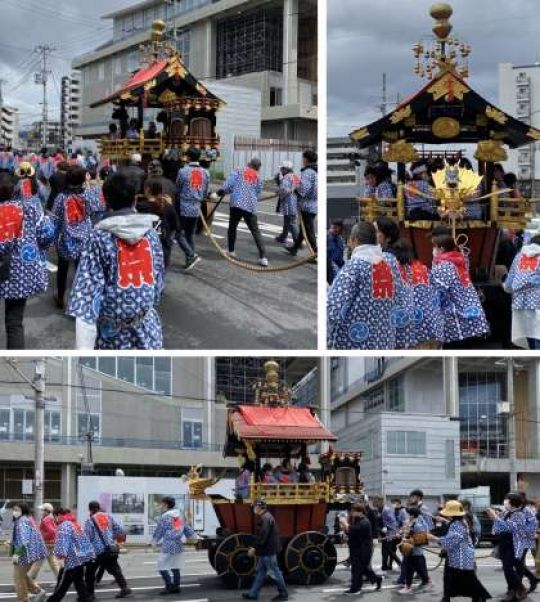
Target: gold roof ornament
445, 127
496, 115
360, 134
401, 152
491, 151
272, 391
158, 30
534, 134
401, 114
441, 12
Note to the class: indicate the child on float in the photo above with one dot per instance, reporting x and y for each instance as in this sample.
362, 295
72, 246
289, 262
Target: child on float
523, 283
462, 311
363, 297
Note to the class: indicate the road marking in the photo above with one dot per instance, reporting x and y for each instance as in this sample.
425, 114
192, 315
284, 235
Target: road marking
146, 588
334, 590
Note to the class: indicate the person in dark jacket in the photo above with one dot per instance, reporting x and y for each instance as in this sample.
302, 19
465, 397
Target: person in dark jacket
58, 183
267, 546
360, 538
134, 171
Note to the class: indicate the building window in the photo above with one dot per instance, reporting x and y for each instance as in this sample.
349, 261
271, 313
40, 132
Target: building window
406, 443
4, 424
89, 362
162, 375
133, 61
374, 399
450, 459
89, 423
101, 70
145, 372
183, 44
192, 426
126, 369
107, 365
23, 425
365, 446
118, 65
396, 401
276, 99
138, 21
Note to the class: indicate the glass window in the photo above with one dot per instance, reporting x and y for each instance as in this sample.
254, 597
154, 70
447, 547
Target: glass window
52, 425
406, 443
126, 369
374, 399
396, 401
450, 459
138, 20
88, 423
4, 424
23, 425
133, 61
90, 362
145, 372
101, 70
118, 65
192, 427
162, 375
276, 97
107, 365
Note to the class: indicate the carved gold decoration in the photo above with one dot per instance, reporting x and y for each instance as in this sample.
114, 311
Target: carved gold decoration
197, 485
201, 89
446, 85
445, 127
534, 134
150, 84
401, 114
176, 69
360, 134
410, 121
390, 135
496, 115
481, 120
126, 96
400, 151
490, 150
167, 97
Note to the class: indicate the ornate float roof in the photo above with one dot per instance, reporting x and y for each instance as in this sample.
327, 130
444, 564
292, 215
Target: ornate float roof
161, 84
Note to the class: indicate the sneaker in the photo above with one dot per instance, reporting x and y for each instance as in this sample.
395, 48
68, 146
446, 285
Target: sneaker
280, 239
192, 262
428, 586
351, 592
291, 250
378, 584
405, 590
232, 254
175, 589
264, 262
123, 593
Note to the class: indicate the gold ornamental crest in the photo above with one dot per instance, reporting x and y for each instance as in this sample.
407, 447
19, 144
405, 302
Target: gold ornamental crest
445, 127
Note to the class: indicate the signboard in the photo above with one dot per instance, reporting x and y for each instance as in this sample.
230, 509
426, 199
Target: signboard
27, 486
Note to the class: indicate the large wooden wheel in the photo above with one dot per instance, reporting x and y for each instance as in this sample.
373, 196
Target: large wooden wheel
310, 558
232, 562
212, 554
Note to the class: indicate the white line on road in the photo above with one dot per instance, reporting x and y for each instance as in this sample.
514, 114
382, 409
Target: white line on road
135, 589
334, 590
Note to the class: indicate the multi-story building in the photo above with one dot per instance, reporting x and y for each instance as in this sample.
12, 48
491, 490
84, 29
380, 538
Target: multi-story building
149, 416
9, 125
441, 424
54, 135
70, 108
266, 45
519, 95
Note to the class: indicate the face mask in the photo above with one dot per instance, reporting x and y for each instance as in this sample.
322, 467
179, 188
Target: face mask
507, 505
436, 252
16, 513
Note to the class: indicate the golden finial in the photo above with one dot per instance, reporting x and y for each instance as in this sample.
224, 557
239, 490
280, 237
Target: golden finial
441, 12
158, 30
271, 373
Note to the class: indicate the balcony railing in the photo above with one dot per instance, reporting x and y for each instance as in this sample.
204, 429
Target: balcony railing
113, 442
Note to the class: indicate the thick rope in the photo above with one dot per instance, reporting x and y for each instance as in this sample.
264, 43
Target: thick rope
246, 265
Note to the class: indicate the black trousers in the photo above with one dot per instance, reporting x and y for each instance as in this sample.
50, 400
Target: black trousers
189, 225
416, 564
388, 552
512, 568
360, 568
309, 226
110, 565
236, 215
65, 579
14, 316
523, 571
62, 276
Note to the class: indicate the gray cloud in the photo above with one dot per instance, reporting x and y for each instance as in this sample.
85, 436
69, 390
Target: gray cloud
369, 37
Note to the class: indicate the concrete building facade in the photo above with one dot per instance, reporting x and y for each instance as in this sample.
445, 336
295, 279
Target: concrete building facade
266, 45
70, 108
9, 125
519, 95
440, 424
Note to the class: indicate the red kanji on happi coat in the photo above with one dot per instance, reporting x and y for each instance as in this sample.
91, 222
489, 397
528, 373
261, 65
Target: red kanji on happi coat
11, 222
419, 273
529, 263
296, 180
196, 179
250, 176
75, 210
135, 264
26, 188
177, 523
383, 281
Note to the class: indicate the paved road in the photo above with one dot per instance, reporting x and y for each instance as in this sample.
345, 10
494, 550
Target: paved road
217, 305
200, 584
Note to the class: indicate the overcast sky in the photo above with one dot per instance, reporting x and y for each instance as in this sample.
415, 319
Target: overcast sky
369, 37
72, 26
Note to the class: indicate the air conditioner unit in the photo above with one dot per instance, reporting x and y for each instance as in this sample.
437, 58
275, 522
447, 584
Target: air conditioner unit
521, 78
503, 407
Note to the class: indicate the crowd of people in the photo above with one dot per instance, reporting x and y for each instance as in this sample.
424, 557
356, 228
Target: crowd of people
79, 555
115, 227
406, 532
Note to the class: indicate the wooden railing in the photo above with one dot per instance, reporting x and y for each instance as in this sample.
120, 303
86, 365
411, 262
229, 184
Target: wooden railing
291, 493
123, 148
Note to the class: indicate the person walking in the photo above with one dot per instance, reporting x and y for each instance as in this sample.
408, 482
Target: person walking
288, 182
459, 572
48, 528
267, 547
307, 192
360, 538
102, 530
245, 187
27, 548
388, 534
170, 532
74, 548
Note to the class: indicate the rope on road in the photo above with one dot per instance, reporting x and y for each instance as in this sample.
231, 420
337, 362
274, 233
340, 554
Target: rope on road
246, 265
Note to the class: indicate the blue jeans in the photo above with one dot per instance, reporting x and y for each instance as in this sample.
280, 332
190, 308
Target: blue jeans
268, 565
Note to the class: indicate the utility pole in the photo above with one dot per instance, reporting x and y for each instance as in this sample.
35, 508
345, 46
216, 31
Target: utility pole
39, 433
42, 78
2, 131
511, 423
384, 97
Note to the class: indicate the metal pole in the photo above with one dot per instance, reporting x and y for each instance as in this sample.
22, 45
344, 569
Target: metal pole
39, 434
511, 423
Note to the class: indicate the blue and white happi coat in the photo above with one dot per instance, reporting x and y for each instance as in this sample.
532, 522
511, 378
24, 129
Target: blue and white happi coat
389, 521
518, 524
428, 319
25, 234
362, 303
119, 283
413, 200
404, 313
109, 527
46, 166
523, 280
419, 525
192, 185
288, 201
73, 213
308, 189
245, 187
7, 161
459, 547
170, 531
73, 545
27, 541
461, 309
385, 190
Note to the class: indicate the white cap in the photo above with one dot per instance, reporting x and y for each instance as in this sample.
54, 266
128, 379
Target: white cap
46, 506
136, 158
287, 164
